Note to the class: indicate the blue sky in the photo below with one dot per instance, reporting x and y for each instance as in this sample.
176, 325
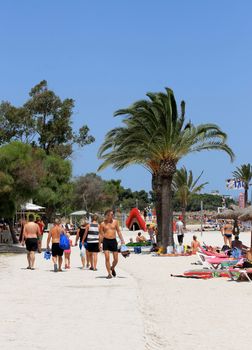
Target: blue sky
107, 54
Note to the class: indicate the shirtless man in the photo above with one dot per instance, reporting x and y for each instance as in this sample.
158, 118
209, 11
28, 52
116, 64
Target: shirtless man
108, 229
57, 252
41, 225
30, 236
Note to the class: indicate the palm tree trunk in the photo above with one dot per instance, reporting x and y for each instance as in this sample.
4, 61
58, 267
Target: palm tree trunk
245, 195
157, 189
183, 210
166, 210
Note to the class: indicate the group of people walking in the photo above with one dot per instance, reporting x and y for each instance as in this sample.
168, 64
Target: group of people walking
91, 237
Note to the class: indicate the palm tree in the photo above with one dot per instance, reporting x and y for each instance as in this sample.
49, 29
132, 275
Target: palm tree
155, 136
184, 186
244, 173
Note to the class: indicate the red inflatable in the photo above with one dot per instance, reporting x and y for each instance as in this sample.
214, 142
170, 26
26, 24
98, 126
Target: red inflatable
135, 218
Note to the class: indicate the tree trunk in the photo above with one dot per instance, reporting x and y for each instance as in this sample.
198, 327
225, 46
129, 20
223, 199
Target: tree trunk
245, 195
12, 231
166, 210
183, 211
157, 189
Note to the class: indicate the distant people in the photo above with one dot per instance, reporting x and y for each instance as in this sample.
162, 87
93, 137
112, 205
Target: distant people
108, 230
145, 214
30, 236
140, 238
57, 252
92, 236
227, 231
149, 214
41, 225
195, 245
236, 228
151, 232
83, 246
67, 252
180, 230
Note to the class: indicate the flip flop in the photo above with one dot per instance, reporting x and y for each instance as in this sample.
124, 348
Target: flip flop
113, 272
109, 277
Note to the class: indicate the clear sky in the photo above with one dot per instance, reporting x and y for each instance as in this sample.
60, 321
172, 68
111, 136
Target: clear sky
107, 54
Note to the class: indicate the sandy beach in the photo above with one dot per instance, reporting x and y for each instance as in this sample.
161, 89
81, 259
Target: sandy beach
143, 307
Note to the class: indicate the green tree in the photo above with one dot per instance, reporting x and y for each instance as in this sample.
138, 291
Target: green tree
210, 202
55, 190
157, 137
244, 173
89, 192
22, 171
45, 121
184, 187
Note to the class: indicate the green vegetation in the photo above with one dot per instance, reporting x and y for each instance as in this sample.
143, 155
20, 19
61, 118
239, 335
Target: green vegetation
138, 244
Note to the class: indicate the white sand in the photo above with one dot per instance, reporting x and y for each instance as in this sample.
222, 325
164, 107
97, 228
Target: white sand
143, 308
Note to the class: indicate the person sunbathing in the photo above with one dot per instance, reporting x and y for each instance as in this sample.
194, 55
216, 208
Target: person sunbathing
140, 238
248, 262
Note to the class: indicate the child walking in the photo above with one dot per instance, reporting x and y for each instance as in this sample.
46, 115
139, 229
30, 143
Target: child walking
67, 252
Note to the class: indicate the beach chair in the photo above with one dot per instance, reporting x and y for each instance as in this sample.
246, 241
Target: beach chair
212, 262
204, 261
238, 274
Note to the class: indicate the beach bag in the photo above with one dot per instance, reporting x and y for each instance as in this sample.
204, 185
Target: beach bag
236, 253
137, 250
125, 251
47, 255
82, 251
64, 242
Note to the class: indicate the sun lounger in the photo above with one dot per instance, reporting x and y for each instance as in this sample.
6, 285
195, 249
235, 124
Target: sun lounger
211, 262
240, 274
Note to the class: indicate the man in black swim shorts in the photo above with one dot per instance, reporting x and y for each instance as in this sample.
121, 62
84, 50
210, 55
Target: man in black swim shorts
31, 233
108, 230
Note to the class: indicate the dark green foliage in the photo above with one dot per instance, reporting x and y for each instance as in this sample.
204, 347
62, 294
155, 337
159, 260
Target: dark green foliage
92, 193
45, 121
210, 202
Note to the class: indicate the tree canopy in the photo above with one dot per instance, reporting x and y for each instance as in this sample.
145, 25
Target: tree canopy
45, 121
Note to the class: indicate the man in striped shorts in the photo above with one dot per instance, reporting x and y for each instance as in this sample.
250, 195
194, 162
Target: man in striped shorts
92, 234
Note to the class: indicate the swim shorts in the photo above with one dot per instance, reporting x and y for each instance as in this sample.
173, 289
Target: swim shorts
31, 244
93, 247
56, 250
110, 244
